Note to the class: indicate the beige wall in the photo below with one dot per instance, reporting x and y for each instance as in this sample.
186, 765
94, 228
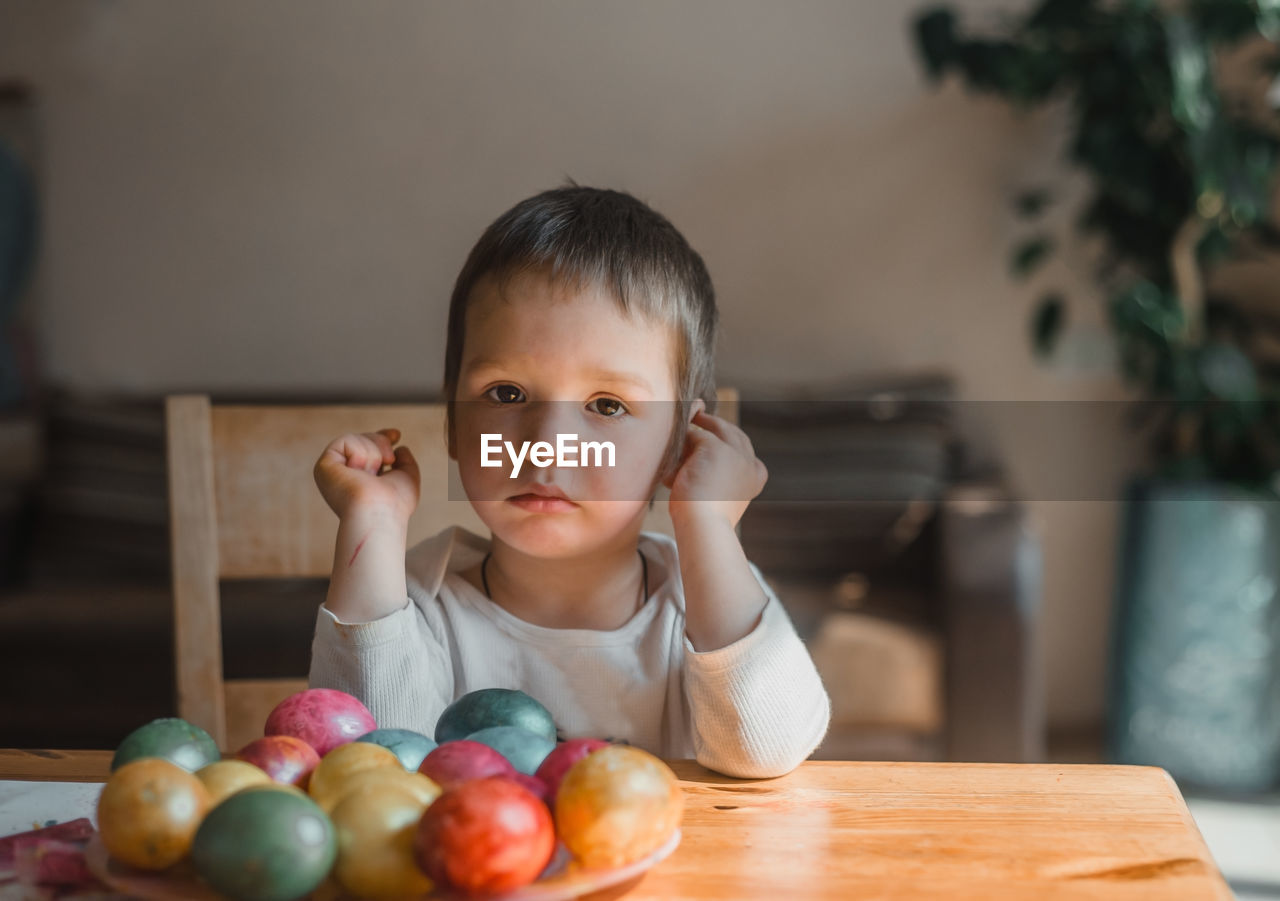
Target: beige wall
247, 196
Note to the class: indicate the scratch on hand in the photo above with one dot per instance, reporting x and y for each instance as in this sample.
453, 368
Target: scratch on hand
357, 553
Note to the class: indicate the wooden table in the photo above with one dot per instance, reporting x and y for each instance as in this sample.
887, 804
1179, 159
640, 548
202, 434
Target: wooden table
835, 830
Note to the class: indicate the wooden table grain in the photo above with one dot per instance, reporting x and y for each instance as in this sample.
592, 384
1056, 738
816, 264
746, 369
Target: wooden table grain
841, 830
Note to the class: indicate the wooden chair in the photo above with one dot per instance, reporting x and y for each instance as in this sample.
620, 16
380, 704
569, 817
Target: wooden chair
243, 505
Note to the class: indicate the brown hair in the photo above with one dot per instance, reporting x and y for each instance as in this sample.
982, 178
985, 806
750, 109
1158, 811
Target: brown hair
596, 236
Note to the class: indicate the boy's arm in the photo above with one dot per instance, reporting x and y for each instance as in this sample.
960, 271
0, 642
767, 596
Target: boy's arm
371, 640
758, 704
368, 579
723, 600
373, 488
757, 701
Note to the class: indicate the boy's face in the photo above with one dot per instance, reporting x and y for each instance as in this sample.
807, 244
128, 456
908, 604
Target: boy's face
541, 364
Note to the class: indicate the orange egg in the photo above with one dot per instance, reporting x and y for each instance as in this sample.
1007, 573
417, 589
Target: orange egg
149, 811
617, 805
329, 778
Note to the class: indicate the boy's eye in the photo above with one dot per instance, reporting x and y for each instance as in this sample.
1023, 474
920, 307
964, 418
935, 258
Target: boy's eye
505, 394
608, 406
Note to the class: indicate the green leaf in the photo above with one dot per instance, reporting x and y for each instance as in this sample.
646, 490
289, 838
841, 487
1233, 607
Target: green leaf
1030, 254
1195, 105
1268, 22
1047, 322
1032, 203
1226, 372
1061, 14
935, 32
1228, 21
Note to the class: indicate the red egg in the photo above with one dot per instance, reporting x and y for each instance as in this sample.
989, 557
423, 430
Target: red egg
456, 762
485, 836
322, 717
285, 759
565, 755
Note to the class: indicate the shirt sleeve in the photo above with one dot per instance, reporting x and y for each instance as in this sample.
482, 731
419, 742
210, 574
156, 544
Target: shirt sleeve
758, 705
398, 666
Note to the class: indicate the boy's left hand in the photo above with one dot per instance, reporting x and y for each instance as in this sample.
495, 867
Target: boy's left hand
718, 473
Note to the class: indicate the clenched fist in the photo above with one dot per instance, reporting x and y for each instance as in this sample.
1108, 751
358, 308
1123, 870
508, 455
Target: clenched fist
366, 474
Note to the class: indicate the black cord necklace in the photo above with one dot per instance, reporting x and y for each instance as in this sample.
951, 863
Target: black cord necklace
644, 569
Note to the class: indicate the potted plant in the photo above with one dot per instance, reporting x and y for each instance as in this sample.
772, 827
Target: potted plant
1180, 179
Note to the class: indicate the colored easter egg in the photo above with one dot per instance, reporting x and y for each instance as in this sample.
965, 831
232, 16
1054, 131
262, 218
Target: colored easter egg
617, 805
176, 740
335, 770
377, 826
263, 844
280, 787
415, 784
533, 783
526, 750
322, 717
455, 762
487, 707
149, 811
284, 758
565, 755
485, 836
226, 777
408, 745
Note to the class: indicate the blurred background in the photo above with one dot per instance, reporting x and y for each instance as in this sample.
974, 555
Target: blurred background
270, 202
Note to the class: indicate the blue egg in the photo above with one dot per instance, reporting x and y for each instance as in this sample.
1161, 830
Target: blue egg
526, 750
411, 747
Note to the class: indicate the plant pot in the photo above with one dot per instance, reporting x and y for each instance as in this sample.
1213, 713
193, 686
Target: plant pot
1194, 679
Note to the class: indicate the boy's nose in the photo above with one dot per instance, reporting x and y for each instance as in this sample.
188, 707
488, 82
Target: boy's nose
547, 419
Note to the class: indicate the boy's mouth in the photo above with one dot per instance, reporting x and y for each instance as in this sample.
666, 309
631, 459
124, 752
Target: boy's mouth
542, 499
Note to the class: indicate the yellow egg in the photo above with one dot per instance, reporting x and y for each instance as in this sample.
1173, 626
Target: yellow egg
415, 783
617, 805
376, 827
330, 776
226, 777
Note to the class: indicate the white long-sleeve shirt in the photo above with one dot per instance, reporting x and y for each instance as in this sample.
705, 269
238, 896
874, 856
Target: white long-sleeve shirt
753, 709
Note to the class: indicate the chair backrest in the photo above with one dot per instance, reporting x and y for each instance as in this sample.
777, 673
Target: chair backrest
243, 505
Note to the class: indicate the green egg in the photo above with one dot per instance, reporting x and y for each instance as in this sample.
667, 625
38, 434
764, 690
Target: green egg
488, 707
171, 738
264, 844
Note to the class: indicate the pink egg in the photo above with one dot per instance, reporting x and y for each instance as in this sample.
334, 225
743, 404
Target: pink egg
456, 762
322, 717
565, 755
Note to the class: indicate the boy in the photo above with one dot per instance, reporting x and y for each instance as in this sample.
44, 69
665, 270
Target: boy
580, 312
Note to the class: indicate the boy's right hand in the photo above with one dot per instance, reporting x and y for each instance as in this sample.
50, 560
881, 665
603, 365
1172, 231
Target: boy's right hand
350, 477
